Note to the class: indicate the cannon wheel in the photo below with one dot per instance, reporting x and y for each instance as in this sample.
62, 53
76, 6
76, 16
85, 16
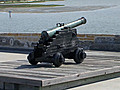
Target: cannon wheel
31, 59
58, 59
79, 55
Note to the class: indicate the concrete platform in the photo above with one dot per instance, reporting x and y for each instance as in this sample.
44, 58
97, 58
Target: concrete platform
17, 74
111, 84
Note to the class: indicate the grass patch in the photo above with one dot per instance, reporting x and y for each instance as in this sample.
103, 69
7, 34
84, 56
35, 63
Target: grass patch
10, 2
19, 6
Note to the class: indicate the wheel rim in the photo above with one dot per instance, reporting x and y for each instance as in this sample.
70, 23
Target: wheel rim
79, 55
83, 55
61, 59
58, 59
31, 59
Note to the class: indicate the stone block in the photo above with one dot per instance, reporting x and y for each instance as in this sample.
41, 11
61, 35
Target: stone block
28, 87
9, 86
1, 85
104, 40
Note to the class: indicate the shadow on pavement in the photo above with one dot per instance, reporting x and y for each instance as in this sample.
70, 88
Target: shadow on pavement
45, 65
70, 63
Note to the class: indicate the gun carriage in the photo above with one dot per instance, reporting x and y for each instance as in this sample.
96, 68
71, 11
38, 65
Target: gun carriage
58, 43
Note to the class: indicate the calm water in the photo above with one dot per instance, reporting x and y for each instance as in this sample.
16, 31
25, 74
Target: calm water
104, 21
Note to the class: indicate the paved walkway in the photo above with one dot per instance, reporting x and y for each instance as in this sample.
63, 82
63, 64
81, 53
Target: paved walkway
112, 84
5, 57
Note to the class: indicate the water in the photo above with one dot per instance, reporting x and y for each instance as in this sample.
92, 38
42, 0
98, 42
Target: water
104, 21
91, 2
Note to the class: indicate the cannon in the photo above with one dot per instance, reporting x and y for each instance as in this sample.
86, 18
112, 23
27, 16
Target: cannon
58, 43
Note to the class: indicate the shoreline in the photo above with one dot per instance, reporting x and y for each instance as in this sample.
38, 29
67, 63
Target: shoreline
53, 9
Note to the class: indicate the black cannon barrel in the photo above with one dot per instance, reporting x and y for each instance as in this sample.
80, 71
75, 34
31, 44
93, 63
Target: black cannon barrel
49, 33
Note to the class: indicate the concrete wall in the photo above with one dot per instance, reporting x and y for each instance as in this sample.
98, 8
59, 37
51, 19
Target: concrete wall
100, 42
19, 40
87, 41
91, 2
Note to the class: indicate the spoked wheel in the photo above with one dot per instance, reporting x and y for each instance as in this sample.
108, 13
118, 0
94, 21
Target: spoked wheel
58, 59
31, 59
79, 55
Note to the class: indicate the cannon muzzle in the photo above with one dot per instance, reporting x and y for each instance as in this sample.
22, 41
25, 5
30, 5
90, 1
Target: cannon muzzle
45, 35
